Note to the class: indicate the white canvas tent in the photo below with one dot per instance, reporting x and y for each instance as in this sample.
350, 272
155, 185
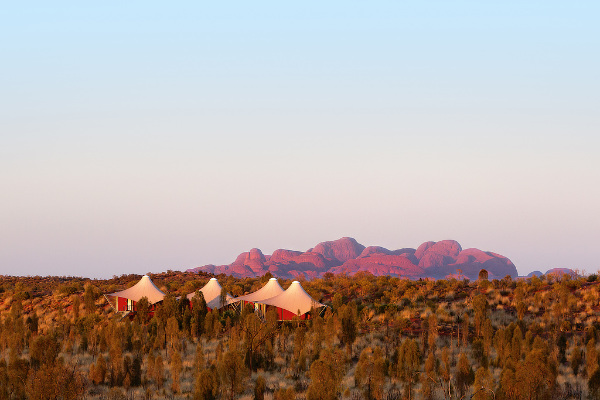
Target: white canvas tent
212, 294
293, 300
271, 289
125, 299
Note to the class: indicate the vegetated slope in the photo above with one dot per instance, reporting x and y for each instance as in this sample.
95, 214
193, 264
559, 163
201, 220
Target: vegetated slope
346, 256
534, 336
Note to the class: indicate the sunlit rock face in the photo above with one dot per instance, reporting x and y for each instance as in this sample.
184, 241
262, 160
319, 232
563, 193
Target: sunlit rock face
346, 256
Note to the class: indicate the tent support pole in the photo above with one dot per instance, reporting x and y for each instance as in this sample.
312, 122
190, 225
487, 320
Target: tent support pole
113, 307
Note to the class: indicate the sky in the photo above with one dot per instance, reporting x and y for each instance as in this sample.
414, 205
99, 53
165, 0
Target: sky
142, 136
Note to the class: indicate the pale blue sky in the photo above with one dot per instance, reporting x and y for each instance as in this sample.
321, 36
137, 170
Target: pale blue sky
143, 136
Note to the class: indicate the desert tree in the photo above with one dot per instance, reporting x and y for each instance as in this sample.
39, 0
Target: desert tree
591, 358
576, 359
256, 334
483, 275
127, 367
464, 375
299, 355
55, 381
135, 371
521, 308
432, 335
116, 357
32, 322
159, 371
508, 389
176, 365
428, 378
17, 372
516, 344
206, 385
409, 360
199, 360
217, 325
98, 371
284, 394
173, 336
349, 329
4, 380
594, 385
89, 299
464, 330
488, 336
199, 311
480, 309
44, 350
338, 301
536, 375
16, 335
370, 373
483, 385
500, 344
326, 375
317, 331
232, 373
142, 310
445, 374
260, 385
478, 352
76, 305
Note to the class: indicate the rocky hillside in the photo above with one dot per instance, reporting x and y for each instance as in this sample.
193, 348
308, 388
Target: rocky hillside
347, 256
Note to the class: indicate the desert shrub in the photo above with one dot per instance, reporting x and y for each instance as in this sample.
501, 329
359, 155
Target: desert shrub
68, 289
285, 394
44, 350
58, 380
259, 388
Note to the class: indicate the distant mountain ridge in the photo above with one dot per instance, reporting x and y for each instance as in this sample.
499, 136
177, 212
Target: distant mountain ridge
346, 256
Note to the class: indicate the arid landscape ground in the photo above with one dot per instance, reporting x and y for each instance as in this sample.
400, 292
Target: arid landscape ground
379, 338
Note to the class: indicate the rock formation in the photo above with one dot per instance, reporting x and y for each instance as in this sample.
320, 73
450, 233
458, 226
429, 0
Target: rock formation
436, 260
347, 256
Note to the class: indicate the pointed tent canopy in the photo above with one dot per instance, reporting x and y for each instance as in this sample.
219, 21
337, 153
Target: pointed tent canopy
144, 288
212, 294
293, 299
271, 289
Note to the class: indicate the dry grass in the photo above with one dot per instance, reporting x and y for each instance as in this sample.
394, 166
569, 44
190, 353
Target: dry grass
55, 306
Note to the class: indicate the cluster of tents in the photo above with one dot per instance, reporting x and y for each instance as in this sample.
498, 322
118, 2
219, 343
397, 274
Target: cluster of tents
289, 303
